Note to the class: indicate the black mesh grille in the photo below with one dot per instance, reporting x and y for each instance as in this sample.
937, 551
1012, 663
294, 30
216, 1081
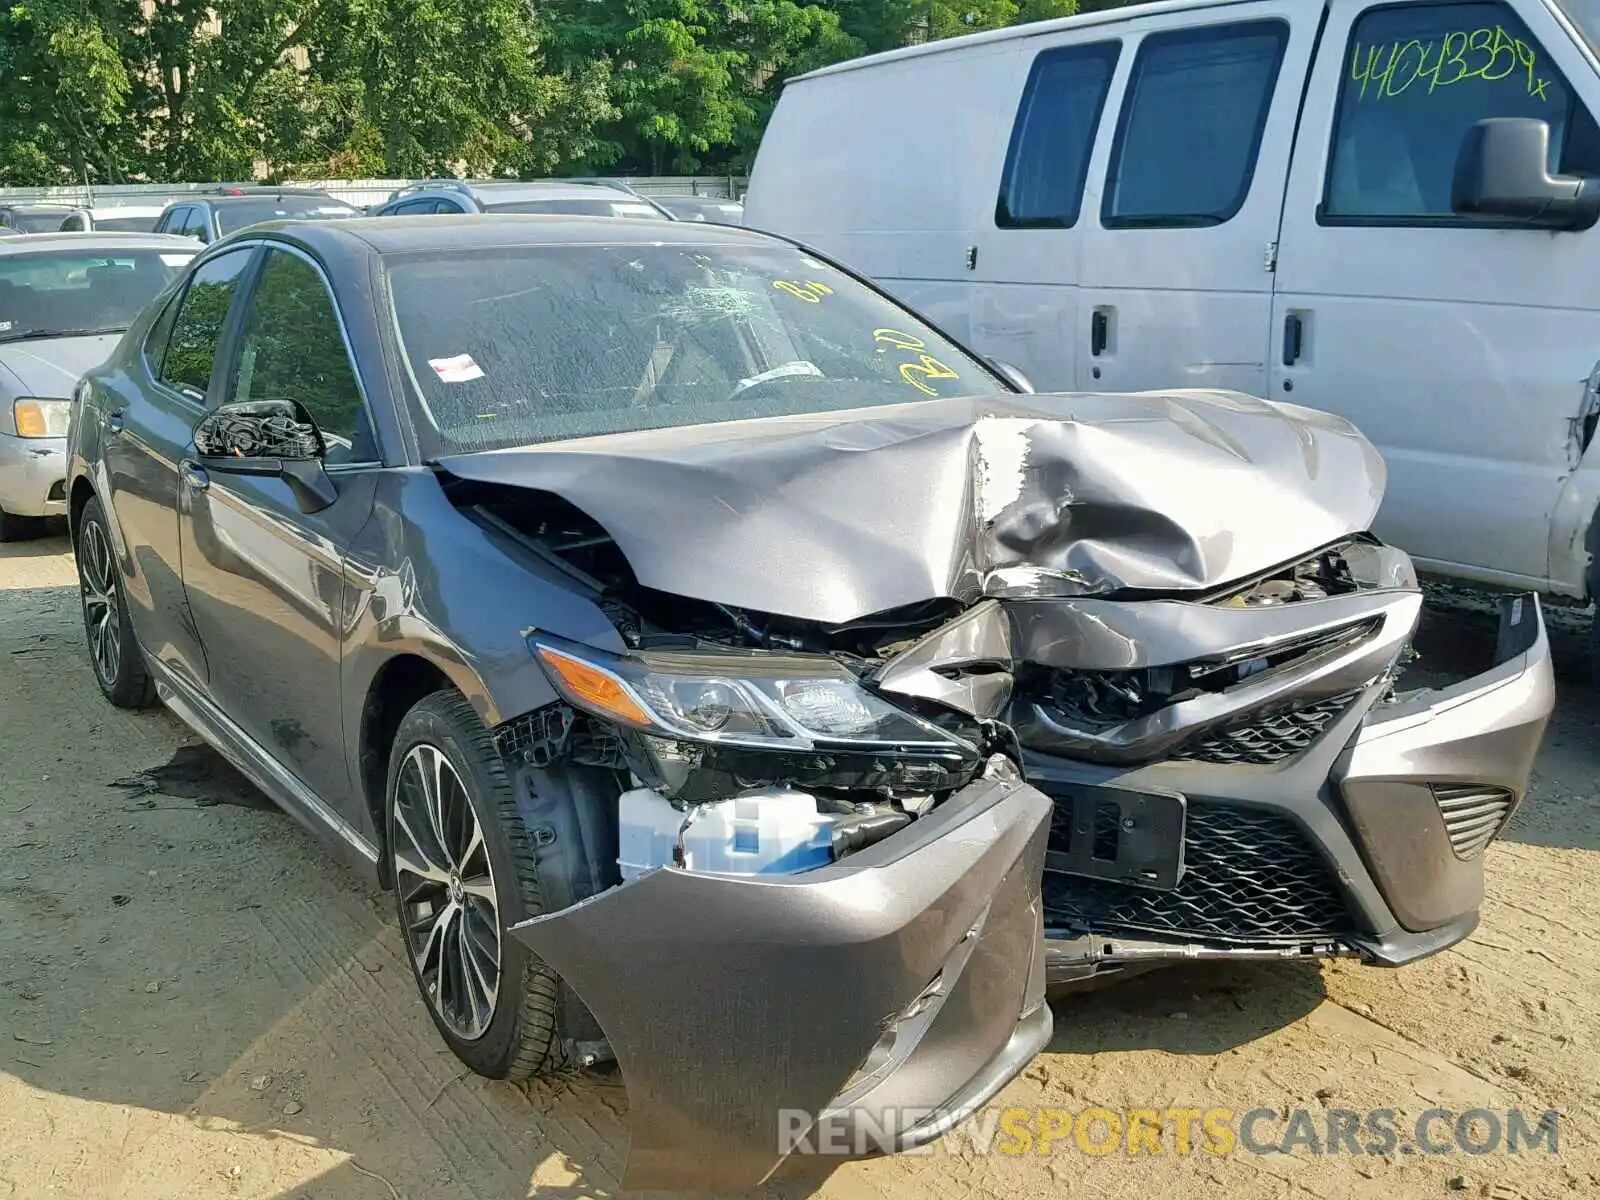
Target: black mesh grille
1250, 877
1266, 740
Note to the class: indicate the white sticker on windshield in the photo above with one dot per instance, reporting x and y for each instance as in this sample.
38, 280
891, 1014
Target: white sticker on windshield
176, 260
459, 369
5, 326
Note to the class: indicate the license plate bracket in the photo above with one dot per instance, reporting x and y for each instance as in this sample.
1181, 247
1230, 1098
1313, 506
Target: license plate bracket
1118, 835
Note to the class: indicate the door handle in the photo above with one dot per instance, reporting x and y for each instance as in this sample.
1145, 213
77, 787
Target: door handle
1099, 331
114, 420
194, 475
1294, 333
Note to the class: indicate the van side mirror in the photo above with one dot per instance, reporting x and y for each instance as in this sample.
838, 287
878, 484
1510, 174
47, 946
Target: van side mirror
1502, 171
1010, 374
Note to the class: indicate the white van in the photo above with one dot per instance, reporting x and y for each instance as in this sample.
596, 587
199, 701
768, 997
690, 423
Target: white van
1265, 196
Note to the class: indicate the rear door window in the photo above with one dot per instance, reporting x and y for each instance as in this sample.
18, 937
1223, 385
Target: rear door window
1048, 159
1191, 123
202, 317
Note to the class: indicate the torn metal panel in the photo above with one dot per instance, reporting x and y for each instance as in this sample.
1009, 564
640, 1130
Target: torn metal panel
728, 999
965, 664
1113, 635
833, 516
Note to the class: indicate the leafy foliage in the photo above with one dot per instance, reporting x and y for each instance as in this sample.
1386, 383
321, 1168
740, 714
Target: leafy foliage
114, 90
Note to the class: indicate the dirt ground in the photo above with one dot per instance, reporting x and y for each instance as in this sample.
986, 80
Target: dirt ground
197, 1001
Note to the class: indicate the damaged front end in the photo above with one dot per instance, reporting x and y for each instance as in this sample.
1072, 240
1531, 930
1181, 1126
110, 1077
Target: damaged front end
893, 693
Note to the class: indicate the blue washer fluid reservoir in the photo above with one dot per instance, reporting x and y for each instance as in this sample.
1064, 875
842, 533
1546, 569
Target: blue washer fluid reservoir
774, 832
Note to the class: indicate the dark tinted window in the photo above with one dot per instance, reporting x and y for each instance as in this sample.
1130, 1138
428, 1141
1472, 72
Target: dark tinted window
1054, 133
1191, 124
41, 220
579, 206
196, 223
1416, 79
170, 221
124, 224
236, 214
198, 327
291, 349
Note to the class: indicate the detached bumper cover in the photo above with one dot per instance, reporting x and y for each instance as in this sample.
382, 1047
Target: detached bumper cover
908, 976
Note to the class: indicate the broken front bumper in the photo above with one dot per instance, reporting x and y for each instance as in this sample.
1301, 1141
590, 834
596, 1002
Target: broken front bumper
1369, 842
886, 995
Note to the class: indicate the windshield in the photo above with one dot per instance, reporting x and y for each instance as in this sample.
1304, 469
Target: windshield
41, 221
578, 205
127, 224
236, 214
515, 345
1585, 14
60, 293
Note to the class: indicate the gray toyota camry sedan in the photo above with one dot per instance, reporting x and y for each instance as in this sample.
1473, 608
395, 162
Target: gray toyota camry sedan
737, 680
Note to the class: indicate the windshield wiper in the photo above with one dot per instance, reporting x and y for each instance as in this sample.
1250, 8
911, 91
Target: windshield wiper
28, 335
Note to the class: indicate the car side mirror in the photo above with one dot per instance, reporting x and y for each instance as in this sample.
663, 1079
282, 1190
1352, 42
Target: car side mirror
1010, 374
268, 437
1503, 170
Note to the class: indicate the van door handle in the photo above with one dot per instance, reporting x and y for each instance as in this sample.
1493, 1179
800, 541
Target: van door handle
114, 420
1294, 332
1099, 331
194, 475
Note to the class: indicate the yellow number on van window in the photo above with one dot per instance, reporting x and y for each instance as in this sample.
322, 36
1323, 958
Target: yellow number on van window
811, 293
902, 341
929, 368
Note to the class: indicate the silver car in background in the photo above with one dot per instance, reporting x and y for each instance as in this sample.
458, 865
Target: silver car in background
65, 300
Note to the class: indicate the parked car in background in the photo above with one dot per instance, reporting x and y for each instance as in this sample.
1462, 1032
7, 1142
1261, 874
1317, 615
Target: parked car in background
716, 210
43, 218
697, 641
64, 301
1334, 204
213, 215
582, 198
127, 218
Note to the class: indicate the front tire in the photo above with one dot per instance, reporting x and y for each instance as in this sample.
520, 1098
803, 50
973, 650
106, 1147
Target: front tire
119, 666
463, 870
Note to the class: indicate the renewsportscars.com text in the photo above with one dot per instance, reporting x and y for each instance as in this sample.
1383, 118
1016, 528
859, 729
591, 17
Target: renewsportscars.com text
1179, 1131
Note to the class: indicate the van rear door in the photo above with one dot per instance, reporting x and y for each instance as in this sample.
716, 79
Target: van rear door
1185, 196
1461, 346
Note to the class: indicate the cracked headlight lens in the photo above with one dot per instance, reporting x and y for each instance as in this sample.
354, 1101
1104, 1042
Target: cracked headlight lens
784, 701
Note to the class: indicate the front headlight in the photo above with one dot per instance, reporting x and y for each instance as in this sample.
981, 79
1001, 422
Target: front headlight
40, 418
774, 701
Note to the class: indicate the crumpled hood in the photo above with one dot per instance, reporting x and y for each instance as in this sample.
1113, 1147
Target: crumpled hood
833, 516
51, 367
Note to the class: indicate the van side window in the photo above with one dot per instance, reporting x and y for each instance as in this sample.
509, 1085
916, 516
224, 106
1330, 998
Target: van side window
1042, 187
1416, 78
1191, 125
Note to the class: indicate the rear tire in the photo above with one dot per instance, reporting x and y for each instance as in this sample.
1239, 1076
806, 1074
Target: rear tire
464, 871
119, 666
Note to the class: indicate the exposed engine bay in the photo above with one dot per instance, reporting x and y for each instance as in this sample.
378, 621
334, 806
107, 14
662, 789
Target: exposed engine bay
858, 795
1162, 611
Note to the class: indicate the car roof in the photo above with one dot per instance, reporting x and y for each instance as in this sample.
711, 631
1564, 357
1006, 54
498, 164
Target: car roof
43, 206
510, 191
477, 231
1082, 20
257, 196
99, 239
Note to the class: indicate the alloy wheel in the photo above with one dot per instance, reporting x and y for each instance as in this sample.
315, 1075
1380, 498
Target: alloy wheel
448, 903
102, 617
